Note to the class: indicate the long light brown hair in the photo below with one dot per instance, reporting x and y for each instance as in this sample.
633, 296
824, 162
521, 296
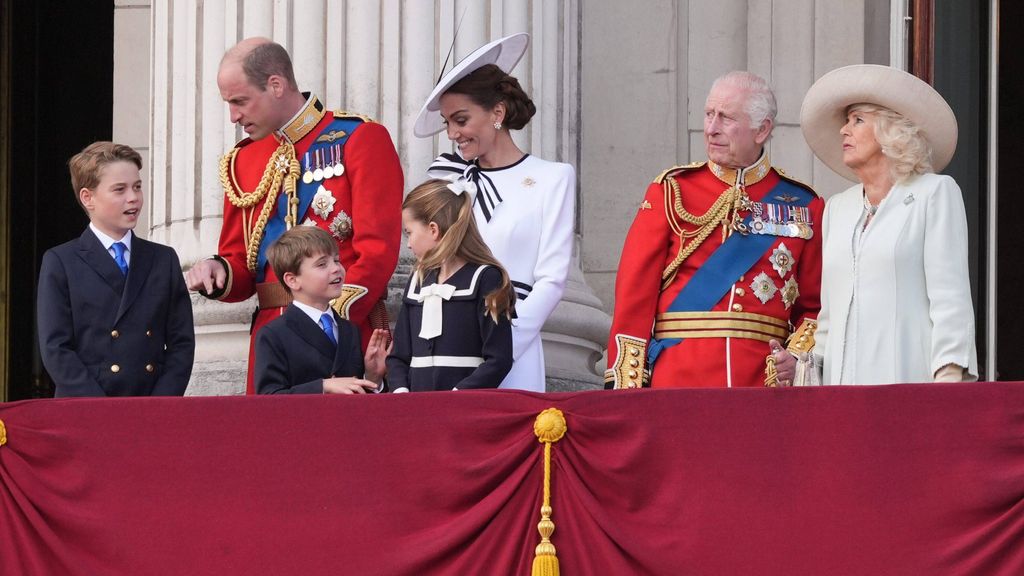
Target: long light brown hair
434, 202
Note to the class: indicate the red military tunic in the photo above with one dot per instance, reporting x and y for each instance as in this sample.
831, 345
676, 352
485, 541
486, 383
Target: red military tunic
725, 346
369, 193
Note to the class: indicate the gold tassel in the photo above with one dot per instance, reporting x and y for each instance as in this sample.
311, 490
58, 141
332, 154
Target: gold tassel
549, 428
3, 433
771, 374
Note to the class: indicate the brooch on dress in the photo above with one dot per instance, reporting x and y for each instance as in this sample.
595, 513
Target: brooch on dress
341, 226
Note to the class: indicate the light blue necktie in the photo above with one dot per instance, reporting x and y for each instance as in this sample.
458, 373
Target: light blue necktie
327, 323
119, 250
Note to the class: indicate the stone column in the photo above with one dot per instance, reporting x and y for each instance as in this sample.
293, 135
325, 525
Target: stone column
377, 57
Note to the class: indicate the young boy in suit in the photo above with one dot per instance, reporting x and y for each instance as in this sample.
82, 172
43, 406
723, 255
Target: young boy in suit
310, 349
114, 315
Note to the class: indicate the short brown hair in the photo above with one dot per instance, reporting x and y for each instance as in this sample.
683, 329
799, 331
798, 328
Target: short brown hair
87, 166
287, 252
266, 60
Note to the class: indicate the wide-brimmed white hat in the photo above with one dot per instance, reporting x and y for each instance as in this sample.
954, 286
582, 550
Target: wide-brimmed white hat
823, 112
503, 52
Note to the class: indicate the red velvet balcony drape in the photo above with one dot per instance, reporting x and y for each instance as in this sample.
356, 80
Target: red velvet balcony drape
911, 479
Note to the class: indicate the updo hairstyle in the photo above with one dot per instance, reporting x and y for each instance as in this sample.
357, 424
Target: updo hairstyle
488, 85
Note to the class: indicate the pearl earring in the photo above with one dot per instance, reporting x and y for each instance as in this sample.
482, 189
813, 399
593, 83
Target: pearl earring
497, 125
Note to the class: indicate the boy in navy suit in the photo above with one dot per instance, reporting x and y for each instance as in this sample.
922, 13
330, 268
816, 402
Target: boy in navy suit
310, 349
114, 315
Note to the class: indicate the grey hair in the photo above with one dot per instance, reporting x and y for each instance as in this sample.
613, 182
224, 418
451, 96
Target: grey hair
902, 142
760, 104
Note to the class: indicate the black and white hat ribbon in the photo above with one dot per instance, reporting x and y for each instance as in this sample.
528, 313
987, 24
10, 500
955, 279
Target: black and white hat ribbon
453, 166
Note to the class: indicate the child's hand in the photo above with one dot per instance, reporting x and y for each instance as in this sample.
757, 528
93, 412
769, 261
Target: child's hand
348, 385
376, 354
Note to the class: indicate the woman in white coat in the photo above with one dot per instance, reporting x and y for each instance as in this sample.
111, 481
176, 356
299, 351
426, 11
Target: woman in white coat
895, 295
524, 205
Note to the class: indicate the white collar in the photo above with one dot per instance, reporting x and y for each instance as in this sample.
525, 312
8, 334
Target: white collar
311, 311
107, 241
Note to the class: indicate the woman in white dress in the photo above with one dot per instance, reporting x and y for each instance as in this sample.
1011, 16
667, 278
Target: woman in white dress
524, 206
895, 295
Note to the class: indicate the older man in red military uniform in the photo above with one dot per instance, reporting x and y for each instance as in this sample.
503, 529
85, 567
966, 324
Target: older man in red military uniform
300, 165
721, 258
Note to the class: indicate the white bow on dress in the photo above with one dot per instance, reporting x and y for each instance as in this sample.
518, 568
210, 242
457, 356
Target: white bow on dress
431, 297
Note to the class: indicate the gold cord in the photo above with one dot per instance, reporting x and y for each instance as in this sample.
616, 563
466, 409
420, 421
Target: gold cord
771, 373
282, 171
550, 428
724, 212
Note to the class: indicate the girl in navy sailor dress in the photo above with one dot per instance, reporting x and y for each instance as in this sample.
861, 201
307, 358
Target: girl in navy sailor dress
454, 330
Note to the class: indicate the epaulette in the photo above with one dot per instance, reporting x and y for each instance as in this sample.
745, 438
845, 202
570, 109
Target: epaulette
351, 115
790, 179
677, 169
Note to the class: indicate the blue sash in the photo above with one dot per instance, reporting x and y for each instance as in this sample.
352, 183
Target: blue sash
731, 260
276, 224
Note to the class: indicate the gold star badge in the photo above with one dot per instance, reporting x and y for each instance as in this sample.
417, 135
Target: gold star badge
281, 163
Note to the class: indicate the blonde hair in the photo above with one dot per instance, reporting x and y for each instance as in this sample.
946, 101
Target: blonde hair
433, 201
902, 142
287, 252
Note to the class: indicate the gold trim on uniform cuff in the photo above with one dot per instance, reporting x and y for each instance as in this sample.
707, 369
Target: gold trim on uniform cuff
350, 293
802, 339
629, 370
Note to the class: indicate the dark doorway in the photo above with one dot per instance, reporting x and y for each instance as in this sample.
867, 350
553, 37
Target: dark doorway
1010, 308
60, 75
960, 63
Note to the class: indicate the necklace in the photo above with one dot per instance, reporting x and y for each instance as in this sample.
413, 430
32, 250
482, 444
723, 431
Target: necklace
869, 207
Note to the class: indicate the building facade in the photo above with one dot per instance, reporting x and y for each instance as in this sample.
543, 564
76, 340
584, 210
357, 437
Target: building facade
619, 88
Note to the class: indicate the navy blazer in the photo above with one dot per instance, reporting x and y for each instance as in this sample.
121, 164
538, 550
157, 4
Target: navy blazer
293, 355
102, 334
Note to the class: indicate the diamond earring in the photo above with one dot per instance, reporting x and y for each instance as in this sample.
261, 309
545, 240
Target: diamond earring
497, 125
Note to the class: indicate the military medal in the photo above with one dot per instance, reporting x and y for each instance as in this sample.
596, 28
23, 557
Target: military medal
790, 292
757, 223
339, 168
781, 259
307, 175
341, 226
318, 174
322, 203
328, 166
763, 287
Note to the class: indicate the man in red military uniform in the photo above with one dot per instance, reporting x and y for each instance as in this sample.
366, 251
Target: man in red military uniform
300, 165
721, 258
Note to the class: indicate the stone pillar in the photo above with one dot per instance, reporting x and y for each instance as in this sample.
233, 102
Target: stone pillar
643, 101
376, 57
